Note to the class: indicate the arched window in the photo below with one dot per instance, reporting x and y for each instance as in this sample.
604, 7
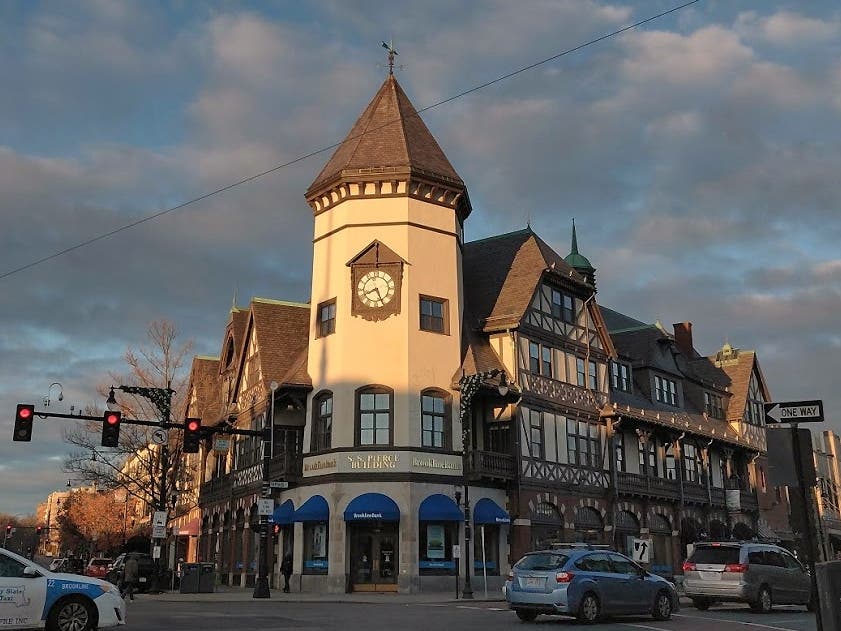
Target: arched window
322, 421
435, 419
627, 522
374, 412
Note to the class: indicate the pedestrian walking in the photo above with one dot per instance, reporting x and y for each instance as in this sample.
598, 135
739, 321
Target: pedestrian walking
286, 570
131, 569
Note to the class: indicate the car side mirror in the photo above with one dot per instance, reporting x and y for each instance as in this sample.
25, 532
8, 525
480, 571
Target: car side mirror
30, 572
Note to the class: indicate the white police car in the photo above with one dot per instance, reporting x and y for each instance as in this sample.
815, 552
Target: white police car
33, 597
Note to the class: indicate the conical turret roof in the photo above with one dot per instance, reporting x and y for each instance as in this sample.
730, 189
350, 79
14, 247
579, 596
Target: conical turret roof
389, 137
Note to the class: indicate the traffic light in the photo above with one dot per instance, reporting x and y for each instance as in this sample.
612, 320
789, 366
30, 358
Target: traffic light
276, 530
111, 429
23, 422
8, 531
38, 531
192, 435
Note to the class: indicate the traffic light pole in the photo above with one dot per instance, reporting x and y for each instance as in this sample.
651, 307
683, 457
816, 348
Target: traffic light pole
261, 585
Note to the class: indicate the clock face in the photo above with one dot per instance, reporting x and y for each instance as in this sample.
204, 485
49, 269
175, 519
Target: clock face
375, 289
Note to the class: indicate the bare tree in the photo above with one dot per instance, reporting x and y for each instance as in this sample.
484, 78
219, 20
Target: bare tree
134, 464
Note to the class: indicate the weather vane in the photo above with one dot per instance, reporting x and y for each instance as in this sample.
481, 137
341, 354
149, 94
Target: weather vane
391, 55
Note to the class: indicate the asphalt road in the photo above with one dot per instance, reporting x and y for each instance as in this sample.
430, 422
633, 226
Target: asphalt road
147, 614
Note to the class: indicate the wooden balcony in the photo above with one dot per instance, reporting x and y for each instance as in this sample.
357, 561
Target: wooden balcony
718, 498
646, 486
248, 479
492, 465
748, 501
571, 476
696, 492
562, 392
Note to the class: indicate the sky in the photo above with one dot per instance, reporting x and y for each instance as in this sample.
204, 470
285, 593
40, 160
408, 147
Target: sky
699, 155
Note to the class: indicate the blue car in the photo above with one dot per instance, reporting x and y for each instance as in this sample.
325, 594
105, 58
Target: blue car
586, 584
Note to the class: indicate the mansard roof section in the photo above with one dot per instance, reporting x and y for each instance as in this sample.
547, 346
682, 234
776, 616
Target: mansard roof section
502, 273
204, 395
388, 138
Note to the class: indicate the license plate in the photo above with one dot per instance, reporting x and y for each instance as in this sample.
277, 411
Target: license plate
535, 582
711, 576
142, 579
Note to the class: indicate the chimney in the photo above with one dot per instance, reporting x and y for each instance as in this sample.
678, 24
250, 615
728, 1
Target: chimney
683, 338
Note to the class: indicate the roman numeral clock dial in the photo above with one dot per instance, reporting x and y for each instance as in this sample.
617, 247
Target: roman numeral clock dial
375, 289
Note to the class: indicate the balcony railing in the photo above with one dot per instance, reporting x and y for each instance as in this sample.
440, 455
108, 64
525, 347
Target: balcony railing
748, 501
490, 464
282, 467
694, 492
567, 475
643, 485
718, 497
562, 392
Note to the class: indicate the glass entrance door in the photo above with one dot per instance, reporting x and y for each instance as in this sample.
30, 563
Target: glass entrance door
373, 556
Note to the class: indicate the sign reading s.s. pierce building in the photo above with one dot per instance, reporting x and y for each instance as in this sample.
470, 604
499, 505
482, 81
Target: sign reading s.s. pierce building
382, 462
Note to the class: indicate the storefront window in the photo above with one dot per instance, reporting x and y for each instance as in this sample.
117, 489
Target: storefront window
489, 536
315, 548
435, 548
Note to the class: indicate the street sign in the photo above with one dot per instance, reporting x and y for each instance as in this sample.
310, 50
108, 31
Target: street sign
156, 552
641, 551
158, 532
221, 445
159, 436
456, 551
794, 412
783, 461
159, 518
265, 507
279, 484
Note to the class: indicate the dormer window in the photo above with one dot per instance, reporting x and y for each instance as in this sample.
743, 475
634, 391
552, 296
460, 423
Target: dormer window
713, 405
620, 376
229, 353
563, 306
665, 390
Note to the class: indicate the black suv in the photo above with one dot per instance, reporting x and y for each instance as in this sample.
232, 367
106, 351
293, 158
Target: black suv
145, 566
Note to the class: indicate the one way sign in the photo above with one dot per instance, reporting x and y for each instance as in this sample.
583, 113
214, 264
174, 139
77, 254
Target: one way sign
794, 412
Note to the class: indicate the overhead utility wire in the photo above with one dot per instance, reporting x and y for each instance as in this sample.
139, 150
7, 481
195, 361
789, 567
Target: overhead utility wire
278, 167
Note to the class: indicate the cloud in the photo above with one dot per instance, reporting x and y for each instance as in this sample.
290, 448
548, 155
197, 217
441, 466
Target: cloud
789, 29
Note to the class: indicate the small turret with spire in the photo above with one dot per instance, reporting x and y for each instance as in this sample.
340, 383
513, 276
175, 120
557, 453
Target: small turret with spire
579, 262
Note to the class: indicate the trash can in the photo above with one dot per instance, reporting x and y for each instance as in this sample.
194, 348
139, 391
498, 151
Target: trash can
190, 573
207, 578
828, 577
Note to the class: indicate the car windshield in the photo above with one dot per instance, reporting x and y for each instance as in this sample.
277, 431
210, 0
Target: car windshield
715, 555
542, 561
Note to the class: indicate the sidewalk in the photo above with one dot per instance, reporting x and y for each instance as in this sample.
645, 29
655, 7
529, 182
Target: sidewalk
233, 594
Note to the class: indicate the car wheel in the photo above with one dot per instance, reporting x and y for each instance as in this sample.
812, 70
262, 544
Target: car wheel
701, 604
662, 607
588, 608
763, 603
72, 614
526, 616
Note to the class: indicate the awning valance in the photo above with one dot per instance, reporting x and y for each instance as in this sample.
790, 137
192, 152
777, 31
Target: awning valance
190, 529
314, 509
372, 506
284, 514
439, 508
489, 512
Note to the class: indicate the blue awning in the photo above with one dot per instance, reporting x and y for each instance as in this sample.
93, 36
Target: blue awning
314, 509
370, 506
283, 514
488, 512
439, 508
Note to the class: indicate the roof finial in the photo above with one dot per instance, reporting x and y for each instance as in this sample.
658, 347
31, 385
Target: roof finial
391, 55
234, 300
574, 239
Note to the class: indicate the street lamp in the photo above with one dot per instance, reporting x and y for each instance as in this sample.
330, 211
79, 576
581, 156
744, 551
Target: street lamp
50, 389
470, 386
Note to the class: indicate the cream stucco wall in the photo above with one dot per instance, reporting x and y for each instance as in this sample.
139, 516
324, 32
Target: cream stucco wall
393, 352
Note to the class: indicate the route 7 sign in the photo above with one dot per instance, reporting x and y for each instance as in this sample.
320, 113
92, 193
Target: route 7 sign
641, 551
794, 412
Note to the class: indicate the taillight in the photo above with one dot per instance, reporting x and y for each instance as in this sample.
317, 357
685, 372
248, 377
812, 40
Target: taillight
564, 577
738, 568
689, 567
510, 576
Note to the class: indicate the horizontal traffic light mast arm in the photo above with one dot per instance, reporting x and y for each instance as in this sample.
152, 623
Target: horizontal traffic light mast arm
215, 429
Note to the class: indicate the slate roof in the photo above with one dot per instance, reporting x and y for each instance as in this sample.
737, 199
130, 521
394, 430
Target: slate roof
739, 370
501, 274
204, 379
282, 330
389, 136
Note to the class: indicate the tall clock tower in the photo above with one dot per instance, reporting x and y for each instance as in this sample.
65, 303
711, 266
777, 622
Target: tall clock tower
386, 280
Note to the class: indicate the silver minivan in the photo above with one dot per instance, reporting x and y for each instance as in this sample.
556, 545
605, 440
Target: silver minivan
761, 575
